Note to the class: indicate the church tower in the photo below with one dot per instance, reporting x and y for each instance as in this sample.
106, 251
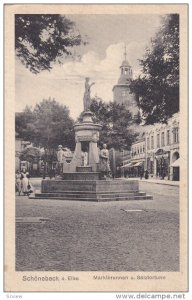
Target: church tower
121, 91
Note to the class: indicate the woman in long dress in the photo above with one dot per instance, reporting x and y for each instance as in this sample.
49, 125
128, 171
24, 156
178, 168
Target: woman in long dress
18, 182
26, 187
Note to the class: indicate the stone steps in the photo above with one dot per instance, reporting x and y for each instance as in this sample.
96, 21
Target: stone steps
90, 190
99, 197
91, 193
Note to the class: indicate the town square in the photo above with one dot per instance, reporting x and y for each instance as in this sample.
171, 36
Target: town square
106, 236
101, 193
98, 183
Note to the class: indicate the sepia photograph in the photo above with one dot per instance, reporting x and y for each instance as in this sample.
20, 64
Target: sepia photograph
96, 147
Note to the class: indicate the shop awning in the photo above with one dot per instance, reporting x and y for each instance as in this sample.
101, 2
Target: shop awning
127, 165
138, 164
176, 163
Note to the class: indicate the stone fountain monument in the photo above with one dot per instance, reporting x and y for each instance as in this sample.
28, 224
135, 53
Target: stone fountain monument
81, 178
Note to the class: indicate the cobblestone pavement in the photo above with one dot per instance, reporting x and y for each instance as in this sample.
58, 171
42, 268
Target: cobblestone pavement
88, 236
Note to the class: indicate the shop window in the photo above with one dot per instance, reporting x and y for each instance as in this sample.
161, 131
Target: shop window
148, 145
152, 142
162, 139
158, 140
176, 135
168, 137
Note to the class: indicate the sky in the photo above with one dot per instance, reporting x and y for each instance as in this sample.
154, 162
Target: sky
100, 60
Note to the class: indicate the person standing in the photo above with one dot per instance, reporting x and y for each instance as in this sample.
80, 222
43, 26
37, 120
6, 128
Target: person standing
25, 182
18, 182
141, 173
146, 174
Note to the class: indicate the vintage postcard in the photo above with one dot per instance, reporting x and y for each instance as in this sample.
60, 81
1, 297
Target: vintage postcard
96, 139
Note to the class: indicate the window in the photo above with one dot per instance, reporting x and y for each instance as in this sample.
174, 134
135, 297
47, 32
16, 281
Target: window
152, 142
176, 135
168, 137
162, 139
140, 149
158, 140
148, 146
124, 93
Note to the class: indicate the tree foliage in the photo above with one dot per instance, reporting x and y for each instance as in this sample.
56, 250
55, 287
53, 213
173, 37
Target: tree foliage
47, 125
30, 154
157, 89
116, 123
40, 40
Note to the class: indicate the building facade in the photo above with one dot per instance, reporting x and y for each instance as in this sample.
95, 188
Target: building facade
121, 91
162, 149
138, 157
157, 150
134, 162
20, 145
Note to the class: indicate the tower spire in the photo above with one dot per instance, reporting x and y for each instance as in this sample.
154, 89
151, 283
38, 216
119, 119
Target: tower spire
125, 53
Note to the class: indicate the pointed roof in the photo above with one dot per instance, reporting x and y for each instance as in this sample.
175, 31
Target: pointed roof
125, 63
126, 72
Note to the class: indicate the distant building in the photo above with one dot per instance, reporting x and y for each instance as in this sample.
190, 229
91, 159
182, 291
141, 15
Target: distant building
126, 157
156, 150
138, 156
162, 149
121, 91
27, 157
20, 145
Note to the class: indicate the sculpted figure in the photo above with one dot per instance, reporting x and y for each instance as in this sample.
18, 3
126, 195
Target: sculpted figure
104, 161
60, 154
87, 94
60, 158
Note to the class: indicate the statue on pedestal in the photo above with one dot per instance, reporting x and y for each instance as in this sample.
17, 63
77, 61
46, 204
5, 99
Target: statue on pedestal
104, 161
60, 158
87, 94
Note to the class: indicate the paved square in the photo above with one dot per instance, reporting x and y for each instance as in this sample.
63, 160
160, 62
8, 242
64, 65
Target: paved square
113, 236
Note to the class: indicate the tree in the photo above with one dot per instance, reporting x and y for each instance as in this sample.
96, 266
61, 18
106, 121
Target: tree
116, 123
157, 89
23, 123
47, 125
31, 154
40, 40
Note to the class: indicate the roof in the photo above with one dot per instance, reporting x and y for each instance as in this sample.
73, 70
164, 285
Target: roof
125, 63
138, 141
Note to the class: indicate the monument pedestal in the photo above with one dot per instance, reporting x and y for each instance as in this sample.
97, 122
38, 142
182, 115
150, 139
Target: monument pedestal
81, 176
86, 137
84, 169
81, 179
91, 190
